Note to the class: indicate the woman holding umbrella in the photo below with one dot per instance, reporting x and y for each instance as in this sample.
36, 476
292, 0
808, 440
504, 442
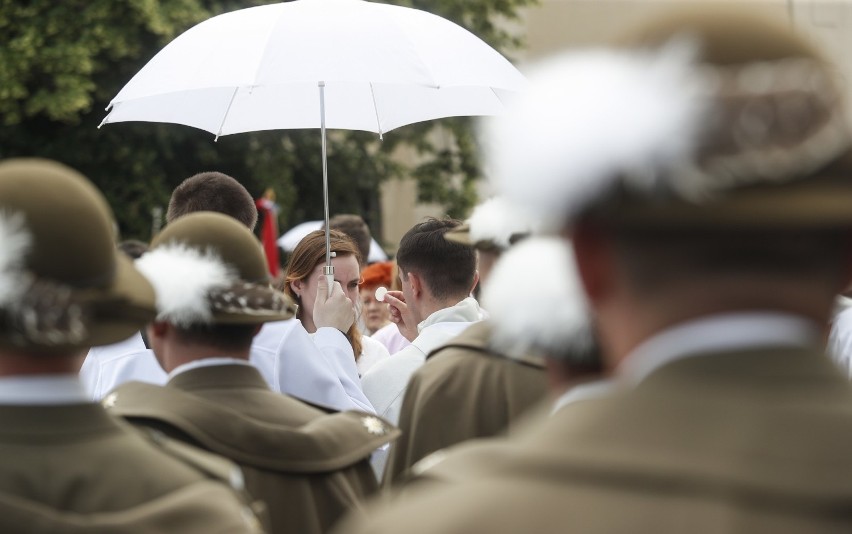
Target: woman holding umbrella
302, 276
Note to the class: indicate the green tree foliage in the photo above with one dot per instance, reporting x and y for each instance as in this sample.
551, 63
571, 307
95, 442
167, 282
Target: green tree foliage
61, 63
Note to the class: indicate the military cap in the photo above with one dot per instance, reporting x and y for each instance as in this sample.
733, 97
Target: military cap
710, 117
555, 319
207, 268
494, 225
64, 286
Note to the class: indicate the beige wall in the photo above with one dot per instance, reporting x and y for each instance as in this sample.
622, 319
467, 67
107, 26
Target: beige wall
555, 25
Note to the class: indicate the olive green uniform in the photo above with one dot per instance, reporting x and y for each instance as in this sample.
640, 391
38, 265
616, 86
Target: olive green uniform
464, 391
73, 468
66, 465
754, 441
308, 466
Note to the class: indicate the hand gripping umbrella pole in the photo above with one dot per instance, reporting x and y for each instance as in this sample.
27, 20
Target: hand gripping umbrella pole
328, 270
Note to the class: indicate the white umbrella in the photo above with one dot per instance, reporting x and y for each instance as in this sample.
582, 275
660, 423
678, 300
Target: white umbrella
291, 238
348, 64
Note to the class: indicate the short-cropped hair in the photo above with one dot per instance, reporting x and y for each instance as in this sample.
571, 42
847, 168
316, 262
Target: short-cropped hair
447, 268
213, 191
227, 337
355, 227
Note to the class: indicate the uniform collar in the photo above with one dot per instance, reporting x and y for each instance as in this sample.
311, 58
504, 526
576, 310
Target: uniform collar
580, 392
207, 362
717, 333
42, 390
224, 374
465, 311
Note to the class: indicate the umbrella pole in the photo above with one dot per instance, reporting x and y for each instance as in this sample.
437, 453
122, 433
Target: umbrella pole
328, 270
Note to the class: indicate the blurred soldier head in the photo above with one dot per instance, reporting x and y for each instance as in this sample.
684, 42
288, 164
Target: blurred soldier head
492, 227
701, 166
64, 286
212, 286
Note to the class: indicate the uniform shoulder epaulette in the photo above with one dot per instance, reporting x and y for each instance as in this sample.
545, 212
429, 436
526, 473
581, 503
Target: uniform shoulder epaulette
324, 409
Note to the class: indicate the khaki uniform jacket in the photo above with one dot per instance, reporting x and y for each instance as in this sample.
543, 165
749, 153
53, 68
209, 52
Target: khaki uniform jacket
307, 465
463, 391
748, 442
74, 469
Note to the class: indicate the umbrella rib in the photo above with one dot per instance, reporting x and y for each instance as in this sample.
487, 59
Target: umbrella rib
497, 96
376, 110
109, 112
225, 117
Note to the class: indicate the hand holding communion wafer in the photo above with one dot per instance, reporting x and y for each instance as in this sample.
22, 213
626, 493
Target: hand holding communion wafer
400, 314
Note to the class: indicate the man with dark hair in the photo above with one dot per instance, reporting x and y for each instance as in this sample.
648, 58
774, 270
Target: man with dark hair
355, 227
66, 465
319, 369
213, 191
449, 269
434, 305
213, 294
702, 169
466, 389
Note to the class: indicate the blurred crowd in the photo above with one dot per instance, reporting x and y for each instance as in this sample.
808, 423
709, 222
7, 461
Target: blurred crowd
646, 329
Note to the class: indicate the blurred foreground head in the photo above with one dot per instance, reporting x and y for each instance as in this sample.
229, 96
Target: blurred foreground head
64, 286
700, 165
707, 119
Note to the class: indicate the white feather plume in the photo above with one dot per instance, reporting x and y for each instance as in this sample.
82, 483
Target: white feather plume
183, 278
497, 220
534, 298
15, 242
591, 118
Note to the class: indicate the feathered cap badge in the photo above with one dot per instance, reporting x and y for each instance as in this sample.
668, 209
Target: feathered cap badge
207, 268
544, 314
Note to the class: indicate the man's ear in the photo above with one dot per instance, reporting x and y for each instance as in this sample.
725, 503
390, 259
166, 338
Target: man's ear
416, 283
595, 257
158, 330
475, 282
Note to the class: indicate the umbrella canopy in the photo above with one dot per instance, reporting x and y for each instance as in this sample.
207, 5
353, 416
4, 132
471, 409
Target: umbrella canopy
291, 238
382, 66
348, 64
